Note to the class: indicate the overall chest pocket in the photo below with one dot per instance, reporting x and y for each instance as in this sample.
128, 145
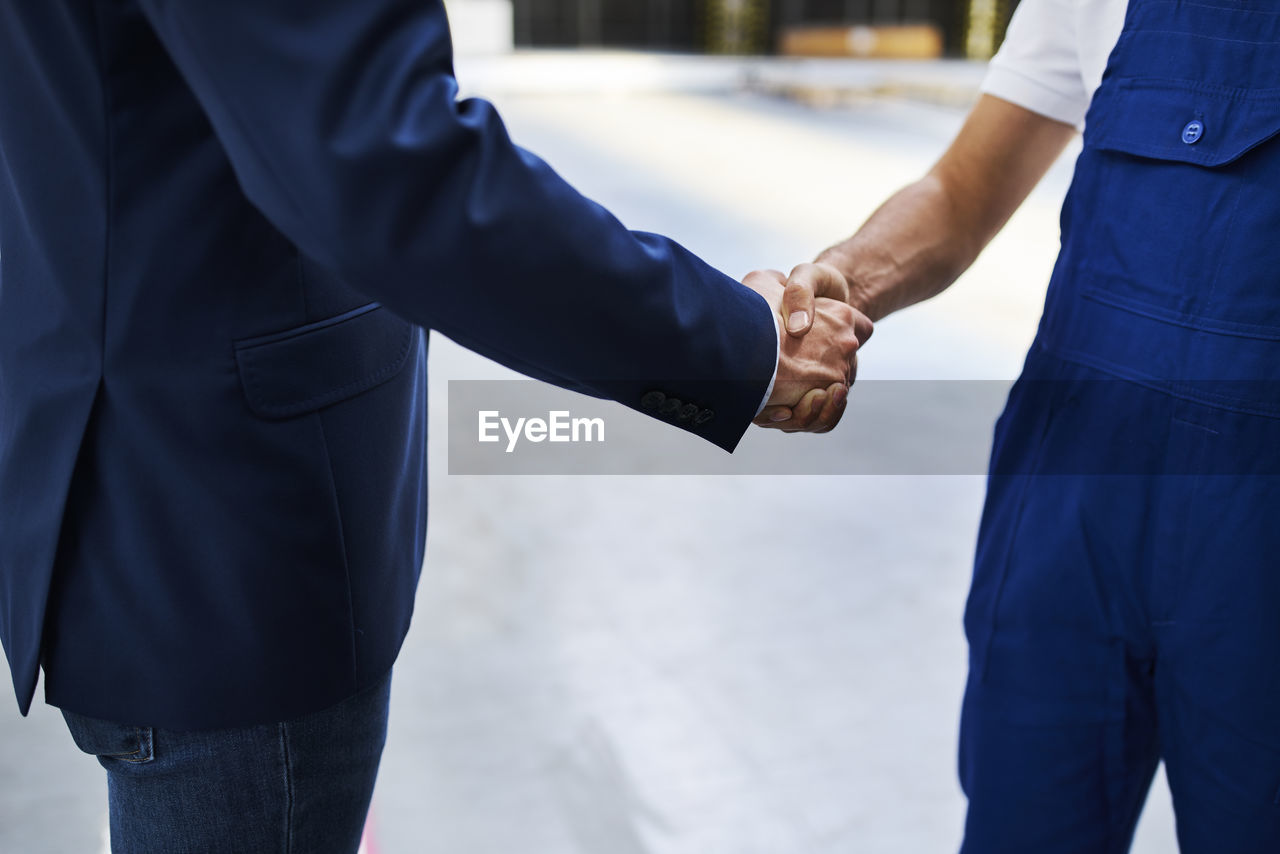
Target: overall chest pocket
1178, 204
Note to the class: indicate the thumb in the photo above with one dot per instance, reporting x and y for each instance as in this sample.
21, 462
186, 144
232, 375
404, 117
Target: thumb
797, 307
807, 282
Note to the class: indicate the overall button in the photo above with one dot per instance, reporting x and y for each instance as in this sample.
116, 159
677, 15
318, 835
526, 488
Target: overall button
1192, 132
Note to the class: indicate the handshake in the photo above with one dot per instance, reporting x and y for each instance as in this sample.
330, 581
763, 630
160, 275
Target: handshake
818, 355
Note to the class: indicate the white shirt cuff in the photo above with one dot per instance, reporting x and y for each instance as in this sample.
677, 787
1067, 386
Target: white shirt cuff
777, 331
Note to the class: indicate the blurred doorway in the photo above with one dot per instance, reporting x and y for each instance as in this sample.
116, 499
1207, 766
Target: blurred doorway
649, 24
698, 25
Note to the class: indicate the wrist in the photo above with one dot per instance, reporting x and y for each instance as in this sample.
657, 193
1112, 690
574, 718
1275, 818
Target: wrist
861, 294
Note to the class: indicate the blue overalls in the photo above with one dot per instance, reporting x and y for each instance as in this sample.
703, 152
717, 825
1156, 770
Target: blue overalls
1126, 596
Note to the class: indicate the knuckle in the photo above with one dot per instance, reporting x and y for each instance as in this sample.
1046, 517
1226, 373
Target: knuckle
797, 296
840, 314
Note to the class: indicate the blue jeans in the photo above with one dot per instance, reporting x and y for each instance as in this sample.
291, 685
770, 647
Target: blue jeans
299, 786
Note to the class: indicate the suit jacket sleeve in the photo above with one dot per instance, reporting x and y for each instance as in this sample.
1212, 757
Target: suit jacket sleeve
341, 120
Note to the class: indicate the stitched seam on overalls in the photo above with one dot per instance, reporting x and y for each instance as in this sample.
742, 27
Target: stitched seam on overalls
1219, 8
1207, 38
1169, 387
998, 595
1182, 84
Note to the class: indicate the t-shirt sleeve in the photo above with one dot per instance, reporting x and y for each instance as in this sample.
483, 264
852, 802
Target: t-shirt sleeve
1038, 67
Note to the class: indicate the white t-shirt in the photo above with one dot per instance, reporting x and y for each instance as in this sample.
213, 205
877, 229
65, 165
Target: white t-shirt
1054, 54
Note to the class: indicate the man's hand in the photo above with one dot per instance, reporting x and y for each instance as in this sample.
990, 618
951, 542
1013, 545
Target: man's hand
818, 353
920, 240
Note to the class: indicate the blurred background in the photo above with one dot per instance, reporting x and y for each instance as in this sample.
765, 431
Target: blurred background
879, 28
692, 664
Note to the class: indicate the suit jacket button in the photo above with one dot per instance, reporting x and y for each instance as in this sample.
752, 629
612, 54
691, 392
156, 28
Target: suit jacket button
671, 406
703, 417
653, 400
687, 412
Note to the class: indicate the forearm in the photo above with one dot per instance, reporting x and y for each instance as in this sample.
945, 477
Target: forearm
927, 234
912, 248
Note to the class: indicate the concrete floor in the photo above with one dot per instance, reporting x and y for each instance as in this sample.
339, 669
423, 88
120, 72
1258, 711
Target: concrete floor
703, 664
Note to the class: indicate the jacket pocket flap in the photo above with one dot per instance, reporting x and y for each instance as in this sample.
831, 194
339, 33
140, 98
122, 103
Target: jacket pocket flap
303, 369
1188, 122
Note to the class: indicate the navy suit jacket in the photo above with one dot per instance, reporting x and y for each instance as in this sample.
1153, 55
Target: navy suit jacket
225, 226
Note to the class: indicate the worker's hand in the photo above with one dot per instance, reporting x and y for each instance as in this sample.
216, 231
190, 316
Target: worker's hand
816, 358
814, 295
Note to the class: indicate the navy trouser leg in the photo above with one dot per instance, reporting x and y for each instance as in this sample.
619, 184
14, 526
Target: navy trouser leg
1225, 780
1118, 619
1060, 789
1059, 729
1219, 643
297, 787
